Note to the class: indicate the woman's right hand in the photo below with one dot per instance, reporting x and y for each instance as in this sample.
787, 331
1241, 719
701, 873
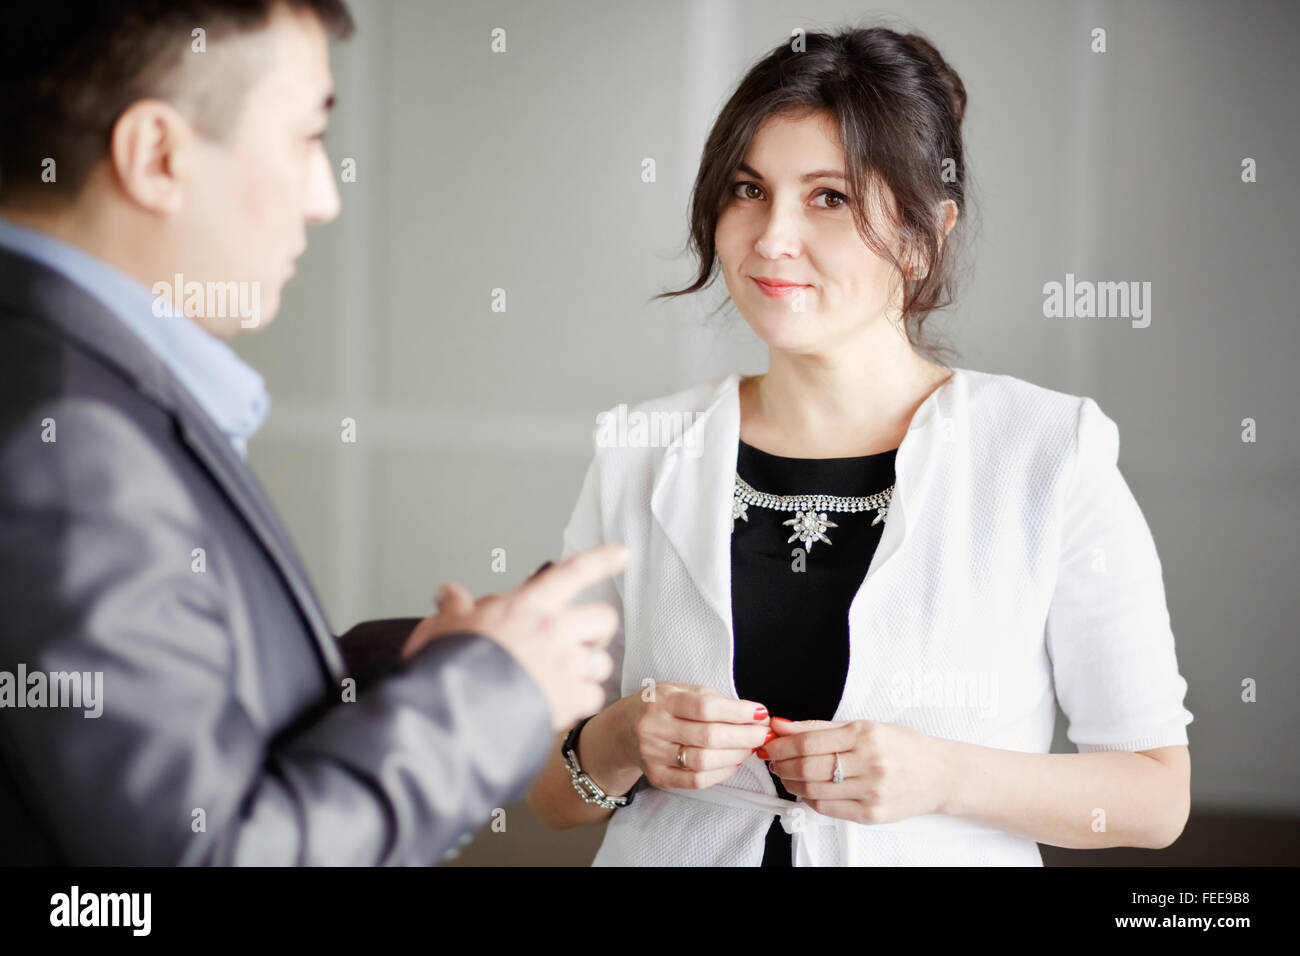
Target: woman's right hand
715, 734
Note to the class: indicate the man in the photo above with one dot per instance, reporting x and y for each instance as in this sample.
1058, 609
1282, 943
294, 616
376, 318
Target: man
170, 692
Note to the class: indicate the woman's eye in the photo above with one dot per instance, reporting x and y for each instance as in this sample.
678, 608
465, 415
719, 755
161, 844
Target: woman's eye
833, 199
739, 190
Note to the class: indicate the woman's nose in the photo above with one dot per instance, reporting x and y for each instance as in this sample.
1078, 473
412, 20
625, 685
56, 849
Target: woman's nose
779, 238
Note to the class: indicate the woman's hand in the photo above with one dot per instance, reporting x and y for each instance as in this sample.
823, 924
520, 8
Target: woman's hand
891, 772
714, 735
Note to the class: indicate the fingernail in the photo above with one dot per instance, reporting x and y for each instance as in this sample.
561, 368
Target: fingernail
783, 720
760, 713
762, 754
769, 736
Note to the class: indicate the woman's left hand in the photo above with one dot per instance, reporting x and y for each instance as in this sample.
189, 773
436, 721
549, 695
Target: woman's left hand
891, 771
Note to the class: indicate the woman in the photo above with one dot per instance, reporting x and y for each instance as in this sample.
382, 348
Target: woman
862, 581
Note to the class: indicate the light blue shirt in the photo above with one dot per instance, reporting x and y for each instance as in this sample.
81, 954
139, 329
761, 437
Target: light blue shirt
228, 389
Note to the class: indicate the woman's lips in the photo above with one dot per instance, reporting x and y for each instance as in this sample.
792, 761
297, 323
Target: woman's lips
774, 288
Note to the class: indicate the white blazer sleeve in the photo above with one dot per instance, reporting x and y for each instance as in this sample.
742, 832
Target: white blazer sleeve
586, 529
1108, 632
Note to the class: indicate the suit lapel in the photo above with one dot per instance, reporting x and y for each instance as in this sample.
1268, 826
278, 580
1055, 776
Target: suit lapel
29, 289
213, 449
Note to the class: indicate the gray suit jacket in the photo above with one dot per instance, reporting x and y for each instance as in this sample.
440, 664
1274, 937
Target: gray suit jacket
223, 736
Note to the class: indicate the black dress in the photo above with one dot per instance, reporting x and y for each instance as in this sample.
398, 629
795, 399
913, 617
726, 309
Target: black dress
792, 627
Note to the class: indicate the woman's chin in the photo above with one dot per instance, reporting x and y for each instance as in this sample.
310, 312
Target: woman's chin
789, 333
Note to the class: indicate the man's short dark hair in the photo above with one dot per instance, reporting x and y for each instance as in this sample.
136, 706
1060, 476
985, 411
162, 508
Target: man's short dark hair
70, 68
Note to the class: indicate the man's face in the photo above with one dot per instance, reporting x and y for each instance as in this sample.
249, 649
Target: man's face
250, 196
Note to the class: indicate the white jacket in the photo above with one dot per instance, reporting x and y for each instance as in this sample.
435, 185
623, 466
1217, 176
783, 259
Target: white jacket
1015, 569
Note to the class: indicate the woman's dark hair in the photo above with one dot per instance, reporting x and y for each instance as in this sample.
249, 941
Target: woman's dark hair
898, 107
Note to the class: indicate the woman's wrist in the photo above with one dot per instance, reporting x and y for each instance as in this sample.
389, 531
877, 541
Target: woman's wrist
604, 752
952, 757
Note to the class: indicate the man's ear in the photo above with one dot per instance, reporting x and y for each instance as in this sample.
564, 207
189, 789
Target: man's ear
149, 151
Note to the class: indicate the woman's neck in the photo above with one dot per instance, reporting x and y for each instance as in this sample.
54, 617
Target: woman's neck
816, 406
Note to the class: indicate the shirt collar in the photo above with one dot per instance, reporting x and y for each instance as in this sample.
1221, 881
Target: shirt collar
231, 392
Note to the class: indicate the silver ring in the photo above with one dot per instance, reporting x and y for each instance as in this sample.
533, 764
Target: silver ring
681, 756
838, 775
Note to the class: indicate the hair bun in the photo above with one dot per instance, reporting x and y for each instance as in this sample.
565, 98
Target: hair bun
952, 84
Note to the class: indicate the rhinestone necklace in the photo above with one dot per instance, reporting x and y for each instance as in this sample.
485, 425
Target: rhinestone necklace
809, 521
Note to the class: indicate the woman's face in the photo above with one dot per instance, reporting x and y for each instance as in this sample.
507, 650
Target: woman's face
787, 221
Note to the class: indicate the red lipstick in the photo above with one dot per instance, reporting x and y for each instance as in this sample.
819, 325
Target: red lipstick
777, 287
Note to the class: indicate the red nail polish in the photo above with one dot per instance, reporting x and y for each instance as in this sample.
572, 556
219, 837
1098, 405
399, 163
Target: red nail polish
760, 713
763, 754
783, 720
769, 736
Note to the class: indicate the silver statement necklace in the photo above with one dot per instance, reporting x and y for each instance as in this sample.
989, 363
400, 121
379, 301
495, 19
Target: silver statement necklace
809, 521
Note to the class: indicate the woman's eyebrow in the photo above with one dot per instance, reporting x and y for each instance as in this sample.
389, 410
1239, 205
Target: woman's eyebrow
805, 178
